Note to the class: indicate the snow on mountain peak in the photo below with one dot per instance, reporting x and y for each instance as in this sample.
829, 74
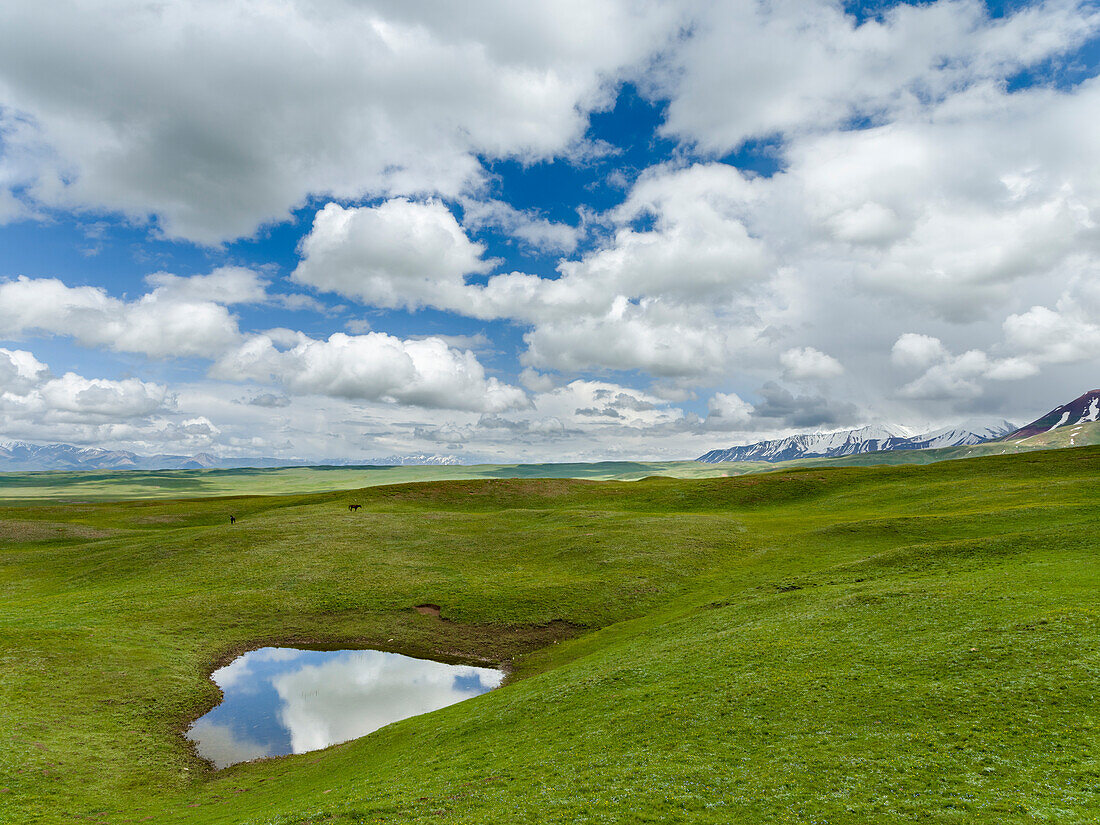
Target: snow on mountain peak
866, 439
1082, 410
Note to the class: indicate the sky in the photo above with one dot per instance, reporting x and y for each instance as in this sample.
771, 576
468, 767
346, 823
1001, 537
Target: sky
546, 231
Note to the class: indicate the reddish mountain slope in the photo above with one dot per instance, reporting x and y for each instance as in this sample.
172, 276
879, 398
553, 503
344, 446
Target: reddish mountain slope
1079, 411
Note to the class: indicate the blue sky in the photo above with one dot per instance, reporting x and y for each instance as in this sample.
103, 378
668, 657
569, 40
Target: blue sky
542, 231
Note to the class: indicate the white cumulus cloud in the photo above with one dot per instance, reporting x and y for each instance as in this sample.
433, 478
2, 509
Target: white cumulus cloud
171, 321
397, 254
20, 371
29, 391
217, 116
789, 66
915, 351
808, 363
375, 366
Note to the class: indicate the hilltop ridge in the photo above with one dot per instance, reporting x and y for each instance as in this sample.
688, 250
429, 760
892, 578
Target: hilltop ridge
1084, 409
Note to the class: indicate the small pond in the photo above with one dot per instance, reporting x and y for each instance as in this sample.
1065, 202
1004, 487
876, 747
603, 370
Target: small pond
281, 700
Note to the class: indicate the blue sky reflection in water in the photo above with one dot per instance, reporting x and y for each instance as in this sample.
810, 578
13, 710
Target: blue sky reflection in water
282, 700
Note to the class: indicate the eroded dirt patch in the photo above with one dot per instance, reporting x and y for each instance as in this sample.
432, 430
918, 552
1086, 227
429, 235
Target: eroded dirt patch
26, 531
162, 519
428, 609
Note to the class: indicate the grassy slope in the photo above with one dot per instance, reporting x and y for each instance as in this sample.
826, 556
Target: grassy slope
889, 644
1076, 435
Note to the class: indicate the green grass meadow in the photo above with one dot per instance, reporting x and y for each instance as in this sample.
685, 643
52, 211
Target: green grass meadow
817, 645
119, 485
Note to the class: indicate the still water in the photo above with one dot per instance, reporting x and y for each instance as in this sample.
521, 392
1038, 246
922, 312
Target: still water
281, 700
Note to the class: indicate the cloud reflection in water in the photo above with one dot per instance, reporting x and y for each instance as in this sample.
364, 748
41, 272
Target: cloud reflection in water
283, 700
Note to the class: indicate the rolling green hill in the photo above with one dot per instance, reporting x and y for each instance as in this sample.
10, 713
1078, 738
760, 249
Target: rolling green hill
1076, 435
842, 645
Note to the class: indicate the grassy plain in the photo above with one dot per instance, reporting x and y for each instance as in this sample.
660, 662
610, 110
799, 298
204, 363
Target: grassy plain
119, 485
842, 645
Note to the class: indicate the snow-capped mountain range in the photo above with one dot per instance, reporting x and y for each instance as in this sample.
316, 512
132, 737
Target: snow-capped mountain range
1083, 410
21, 456
869, 439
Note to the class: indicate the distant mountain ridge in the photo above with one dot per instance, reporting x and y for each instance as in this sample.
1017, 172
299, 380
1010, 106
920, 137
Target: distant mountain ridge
1082, 410
869, 439
22, 456
1074, 424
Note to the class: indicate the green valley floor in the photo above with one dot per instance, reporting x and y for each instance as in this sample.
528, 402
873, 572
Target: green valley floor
829, 645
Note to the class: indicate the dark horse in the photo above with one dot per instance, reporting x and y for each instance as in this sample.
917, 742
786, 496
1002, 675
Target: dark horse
232, 519
353, 507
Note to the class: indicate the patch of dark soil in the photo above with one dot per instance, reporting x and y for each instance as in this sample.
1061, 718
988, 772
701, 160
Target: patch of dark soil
31, 531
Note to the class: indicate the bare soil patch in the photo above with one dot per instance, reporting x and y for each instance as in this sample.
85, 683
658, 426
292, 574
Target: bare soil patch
25, 531
164, 519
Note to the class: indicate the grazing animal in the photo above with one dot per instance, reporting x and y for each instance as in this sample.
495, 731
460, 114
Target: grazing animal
353, 507
232, 519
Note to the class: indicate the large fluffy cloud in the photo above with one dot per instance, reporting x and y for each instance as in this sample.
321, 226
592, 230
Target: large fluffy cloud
944, 214
181, 317
752, 70
396, 254
807, 363
954, 208
174, 320
1054, 336
20, 371
917, 351
112, 400
954, 220
218, 116
372, 367
29, 390
631, 303
1031, 341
